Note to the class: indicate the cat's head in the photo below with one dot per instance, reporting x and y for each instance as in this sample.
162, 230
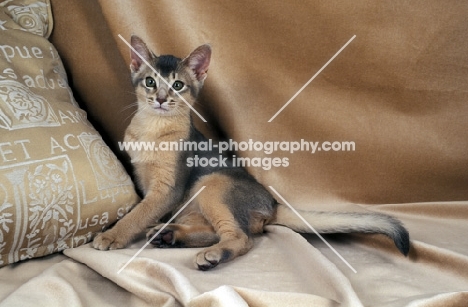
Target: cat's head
163, 93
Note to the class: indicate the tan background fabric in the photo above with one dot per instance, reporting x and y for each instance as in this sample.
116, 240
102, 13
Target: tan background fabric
398, 91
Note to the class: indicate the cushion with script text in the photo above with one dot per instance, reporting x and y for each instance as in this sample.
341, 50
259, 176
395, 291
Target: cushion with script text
59, 183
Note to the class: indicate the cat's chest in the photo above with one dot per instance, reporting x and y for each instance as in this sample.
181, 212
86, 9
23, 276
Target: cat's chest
150, 147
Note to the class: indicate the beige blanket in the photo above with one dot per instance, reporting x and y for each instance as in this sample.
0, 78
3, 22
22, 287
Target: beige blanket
282, 269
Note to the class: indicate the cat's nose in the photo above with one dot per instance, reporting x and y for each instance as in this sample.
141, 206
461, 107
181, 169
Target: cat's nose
161, 100
161, 95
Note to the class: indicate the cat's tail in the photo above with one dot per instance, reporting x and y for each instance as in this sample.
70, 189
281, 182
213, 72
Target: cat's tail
344, 222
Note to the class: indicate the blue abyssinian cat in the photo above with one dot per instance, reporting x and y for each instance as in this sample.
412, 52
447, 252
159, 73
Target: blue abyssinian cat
233, 207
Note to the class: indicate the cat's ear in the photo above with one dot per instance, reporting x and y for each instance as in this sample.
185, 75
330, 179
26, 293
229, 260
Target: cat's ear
140, 47
199, 60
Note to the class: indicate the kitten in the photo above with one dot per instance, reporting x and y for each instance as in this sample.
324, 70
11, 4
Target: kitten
233, 207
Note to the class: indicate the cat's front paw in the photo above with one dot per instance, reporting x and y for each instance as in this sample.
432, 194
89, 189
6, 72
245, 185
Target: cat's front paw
108, 240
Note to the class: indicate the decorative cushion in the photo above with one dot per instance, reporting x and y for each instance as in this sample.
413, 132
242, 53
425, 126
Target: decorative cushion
59, 183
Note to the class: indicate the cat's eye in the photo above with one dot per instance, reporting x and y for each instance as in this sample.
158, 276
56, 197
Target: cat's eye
150, 82
178, 85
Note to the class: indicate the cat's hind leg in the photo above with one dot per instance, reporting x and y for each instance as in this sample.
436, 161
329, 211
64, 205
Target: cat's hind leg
233, 240
190, 230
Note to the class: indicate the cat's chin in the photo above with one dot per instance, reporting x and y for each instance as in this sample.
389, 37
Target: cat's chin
162, 111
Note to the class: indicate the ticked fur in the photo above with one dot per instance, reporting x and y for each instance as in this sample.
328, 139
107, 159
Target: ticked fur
234, 206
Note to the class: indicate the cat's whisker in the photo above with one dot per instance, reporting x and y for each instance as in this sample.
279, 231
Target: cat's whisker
130, 92
135, 104
198, 105
179, 112
130, 106
131, 115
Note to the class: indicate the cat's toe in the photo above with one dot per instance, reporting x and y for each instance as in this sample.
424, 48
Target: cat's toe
108, 241
208, 259
165, 238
